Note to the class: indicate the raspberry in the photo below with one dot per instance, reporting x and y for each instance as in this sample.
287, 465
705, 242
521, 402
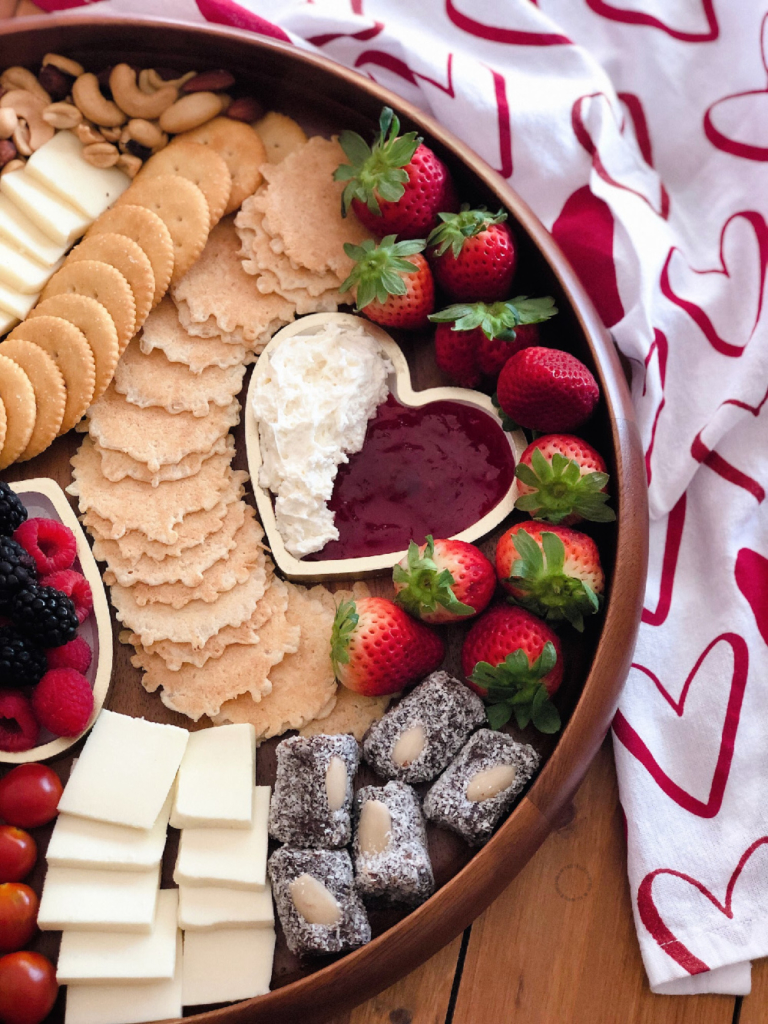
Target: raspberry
74, 585
76, 654
19, 729
63, 701
51, 544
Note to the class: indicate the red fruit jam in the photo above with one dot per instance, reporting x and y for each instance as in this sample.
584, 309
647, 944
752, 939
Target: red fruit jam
434, 469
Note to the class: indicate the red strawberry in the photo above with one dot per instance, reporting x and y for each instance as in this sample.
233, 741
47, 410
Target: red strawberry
392, 290
456, 354
562, 479
493, 353
473, 255
548, 390
552, 571
514, 661
397, 186
377, 648
443, 580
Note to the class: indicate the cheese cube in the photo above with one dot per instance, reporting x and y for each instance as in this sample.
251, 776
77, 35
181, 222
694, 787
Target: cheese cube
113, 958
111, 901
215, 783
7, 321
18, 229
59, 165
220, 967
202, 908
234, 858
21, 272
79, 842
15, 303
125, 771
126, 1004
58, 220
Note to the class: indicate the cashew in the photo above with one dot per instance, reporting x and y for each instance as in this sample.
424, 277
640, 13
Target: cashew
101, 154
8, 122
21, 137
130, 98
12, 165
190, 111
65, 64
146, 133
88, 134
20, 78
62, 115
88, 97
29, 107
129, 164
151, 81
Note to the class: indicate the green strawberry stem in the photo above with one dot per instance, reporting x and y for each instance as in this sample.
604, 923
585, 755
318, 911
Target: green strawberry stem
378, 271
458, 227
344, 625
376, 172
507, 423
497, 319
515, 687
547, 590
560, 490
426, 587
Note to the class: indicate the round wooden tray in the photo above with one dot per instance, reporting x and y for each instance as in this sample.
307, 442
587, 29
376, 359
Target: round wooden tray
326, 98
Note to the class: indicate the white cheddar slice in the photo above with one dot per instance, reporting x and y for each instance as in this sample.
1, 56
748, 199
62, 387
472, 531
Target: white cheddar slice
220, 967
7, 321
235, 858
16, 303
126, 1004
125, 771
80, 842
19, 230
59, 165
86, 900
58, 220
21, 272
215, 784
202, 908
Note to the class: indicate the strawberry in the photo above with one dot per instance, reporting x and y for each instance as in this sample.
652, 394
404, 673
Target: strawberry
392, 290
473, 255
513, 660
484, 336
443, 580
562, 479
552, 571
397, 186
548, 390
377, 648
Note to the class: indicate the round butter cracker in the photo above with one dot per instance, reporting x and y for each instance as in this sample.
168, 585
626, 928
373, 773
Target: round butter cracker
242, 151
149, 231
280, 134
105, 284
202, 165
129, 258
50, 392
18, 398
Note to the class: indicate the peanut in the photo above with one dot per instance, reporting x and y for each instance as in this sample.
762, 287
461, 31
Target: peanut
62, 115
101, 154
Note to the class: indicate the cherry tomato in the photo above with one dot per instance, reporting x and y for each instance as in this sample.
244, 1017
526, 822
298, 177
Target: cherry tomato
29, 795
18, 853
28, 988
18, 915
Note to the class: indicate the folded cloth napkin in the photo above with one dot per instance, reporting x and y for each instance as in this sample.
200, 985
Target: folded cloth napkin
636, 129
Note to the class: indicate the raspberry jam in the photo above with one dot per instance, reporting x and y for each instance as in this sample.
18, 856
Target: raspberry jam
434, 469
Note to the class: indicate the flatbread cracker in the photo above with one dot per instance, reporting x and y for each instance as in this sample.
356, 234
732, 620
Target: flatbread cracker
117, 466
202, 165
242, 151
281, 135
163, 331
129, 258
18, 398
151, 379
326, 302
50, 392
146, 228
352, 713
102, 282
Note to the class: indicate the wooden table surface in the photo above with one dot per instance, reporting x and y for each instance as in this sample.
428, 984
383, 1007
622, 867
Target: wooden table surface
559, 946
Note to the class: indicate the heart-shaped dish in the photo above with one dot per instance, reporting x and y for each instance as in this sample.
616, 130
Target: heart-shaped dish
400, 387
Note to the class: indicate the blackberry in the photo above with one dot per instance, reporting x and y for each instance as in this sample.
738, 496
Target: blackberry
12, 511
45, 614
22, 664
17, 570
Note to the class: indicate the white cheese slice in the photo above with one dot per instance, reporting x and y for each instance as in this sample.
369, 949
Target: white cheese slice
7, 321
220, 967
18, 229
58, 220
202, 908
79, 842
214, 788
125, 771
16, 303
114, 958
59, 165
234, 858
84, 899
21, 272
126, 1004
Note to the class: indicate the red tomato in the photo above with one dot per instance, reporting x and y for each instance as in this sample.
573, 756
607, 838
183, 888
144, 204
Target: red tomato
29, 795
28, 988
18, 915
18, 853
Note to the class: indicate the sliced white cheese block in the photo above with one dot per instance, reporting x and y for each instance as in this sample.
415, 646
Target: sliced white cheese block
19, 230
21, 272
59, 165
80, 842
220, 967
16, 303
215, 783
86, 900
125, 771
113, 958
58, 220
126, 1004
7, 321
234, 858
204, 907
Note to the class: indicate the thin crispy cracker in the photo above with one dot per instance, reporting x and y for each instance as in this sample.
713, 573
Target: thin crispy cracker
117, 466
352, 713
264, 253
326, 302
149, 231
50, 393
162, 330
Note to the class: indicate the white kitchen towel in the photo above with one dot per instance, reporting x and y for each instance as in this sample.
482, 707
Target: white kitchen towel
638, 132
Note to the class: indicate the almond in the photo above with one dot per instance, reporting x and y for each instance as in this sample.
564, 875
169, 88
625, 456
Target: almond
247, 108
209, 81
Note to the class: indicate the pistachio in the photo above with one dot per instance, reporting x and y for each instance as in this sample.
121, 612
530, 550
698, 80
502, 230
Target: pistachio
489, 783
315, 902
